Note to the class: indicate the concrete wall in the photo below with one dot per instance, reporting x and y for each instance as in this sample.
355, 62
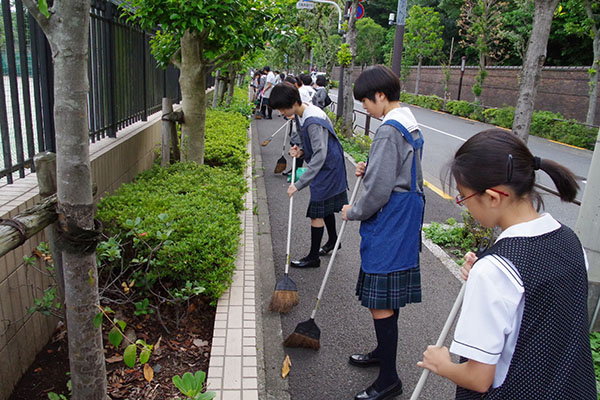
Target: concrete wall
561, 89
23, 335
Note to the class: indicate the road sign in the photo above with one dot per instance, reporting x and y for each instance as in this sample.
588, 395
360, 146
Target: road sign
305, 5
360, 11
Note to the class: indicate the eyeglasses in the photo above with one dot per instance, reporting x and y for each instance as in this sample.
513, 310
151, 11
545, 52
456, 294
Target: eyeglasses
460, 199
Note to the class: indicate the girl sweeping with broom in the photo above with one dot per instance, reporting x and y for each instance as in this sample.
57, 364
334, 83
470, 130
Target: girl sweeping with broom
391, 210
325, 170
523, 327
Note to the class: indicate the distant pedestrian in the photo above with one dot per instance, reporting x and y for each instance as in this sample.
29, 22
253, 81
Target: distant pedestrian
325, 170
523, 328
294, 131
321, 98
391, 214
266, 110
307, 92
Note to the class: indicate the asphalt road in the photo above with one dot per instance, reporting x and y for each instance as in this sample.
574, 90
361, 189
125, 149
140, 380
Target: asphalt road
346, 326
444, 134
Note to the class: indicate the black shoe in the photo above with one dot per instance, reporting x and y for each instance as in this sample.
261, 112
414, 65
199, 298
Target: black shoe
306, 263
363, 360
323, 251
286, 173
371, 394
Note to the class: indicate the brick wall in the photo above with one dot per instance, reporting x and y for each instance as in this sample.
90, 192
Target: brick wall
561, 89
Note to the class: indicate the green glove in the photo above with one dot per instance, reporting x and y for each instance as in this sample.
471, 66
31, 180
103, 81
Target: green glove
299, 172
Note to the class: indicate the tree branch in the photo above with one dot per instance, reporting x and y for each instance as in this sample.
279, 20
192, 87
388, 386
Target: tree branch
34, 10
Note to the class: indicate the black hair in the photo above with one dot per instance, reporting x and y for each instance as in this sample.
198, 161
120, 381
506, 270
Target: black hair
321, 80
377, 79
276, 72
299, 81
267, 68
283, 96
290, 79
307, 80
282, 76
496, 157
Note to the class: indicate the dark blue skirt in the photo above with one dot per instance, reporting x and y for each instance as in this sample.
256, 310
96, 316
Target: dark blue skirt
389, 291
321, 209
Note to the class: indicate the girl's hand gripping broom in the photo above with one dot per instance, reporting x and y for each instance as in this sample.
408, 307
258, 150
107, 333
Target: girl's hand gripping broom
483, 246
285, 296
307, 334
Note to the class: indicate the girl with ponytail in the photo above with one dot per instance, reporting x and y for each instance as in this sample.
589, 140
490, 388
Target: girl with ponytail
522, 331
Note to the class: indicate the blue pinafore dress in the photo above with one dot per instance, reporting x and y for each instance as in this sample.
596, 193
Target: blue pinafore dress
391, 242
328, 189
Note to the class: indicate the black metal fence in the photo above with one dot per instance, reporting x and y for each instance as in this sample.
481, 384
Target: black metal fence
126, 84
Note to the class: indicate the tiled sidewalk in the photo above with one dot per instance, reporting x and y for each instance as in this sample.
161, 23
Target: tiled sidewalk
232, 372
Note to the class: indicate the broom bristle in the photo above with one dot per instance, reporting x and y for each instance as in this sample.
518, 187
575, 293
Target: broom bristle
265, 142
283, 301
306, 334
299, 340
279, 168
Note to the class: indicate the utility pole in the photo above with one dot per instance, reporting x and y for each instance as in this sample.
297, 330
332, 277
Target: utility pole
588, 230
399, 36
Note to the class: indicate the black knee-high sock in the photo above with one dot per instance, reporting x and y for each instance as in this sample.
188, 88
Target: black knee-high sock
375, 353
331, 232
316, 234
387, 343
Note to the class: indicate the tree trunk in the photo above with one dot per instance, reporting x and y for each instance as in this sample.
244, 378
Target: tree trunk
69, 43
231, 84
348, 111
193, 93
532, 66
593, 92
418, 75
215, 99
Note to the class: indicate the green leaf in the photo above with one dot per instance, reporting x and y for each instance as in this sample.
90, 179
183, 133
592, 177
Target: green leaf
98, 319
43, 7
129, 355
115, 337
122, 324
144, 356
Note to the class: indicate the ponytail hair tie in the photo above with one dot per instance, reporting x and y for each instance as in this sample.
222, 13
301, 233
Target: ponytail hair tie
537, 163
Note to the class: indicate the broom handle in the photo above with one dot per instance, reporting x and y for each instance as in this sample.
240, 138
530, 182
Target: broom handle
335, 249
441, 339
289, 233
277, 131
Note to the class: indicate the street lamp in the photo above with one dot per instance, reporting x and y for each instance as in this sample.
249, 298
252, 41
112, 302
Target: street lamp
463, 61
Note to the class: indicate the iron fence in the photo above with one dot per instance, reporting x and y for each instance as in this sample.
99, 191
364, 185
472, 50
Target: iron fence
126, 83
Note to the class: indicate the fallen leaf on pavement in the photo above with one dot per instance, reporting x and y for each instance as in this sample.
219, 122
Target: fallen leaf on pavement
285, 368
114, 359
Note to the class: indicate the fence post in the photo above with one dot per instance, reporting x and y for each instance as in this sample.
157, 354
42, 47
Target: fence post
45, 165
167, 127
110, 56
368, 125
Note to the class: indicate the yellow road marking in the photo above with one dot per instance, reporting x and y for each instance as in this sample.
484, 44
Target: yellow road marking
438, 191
568, 145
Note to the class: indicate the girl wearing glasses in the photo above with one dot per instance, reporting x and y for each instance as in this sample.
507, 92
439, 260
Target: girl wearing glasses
523, 329
391, 214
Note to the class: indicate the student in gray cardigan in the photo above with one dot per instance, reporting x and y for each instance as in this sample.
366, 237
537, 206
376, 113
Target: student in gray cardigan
391, 214
325, 169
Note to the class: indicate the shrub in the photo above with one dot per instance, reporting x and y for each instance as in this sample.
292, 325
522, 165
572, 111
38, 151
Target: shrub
226, 139
500, 116
460, 107
203, 204
357, 146
239, 103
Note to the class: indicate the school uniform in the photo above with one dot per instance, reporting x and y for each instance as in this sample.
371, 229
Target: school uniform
391, 210
525, 311
325, 167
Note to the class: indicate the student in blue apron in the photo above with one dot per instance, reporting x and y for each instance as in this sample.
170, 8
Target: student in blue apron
325, 172
523, 328
391, 214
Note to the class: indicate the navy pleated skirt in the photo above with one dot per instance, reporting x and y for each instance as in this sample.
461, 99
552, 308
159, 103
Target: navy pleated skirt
389, 291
